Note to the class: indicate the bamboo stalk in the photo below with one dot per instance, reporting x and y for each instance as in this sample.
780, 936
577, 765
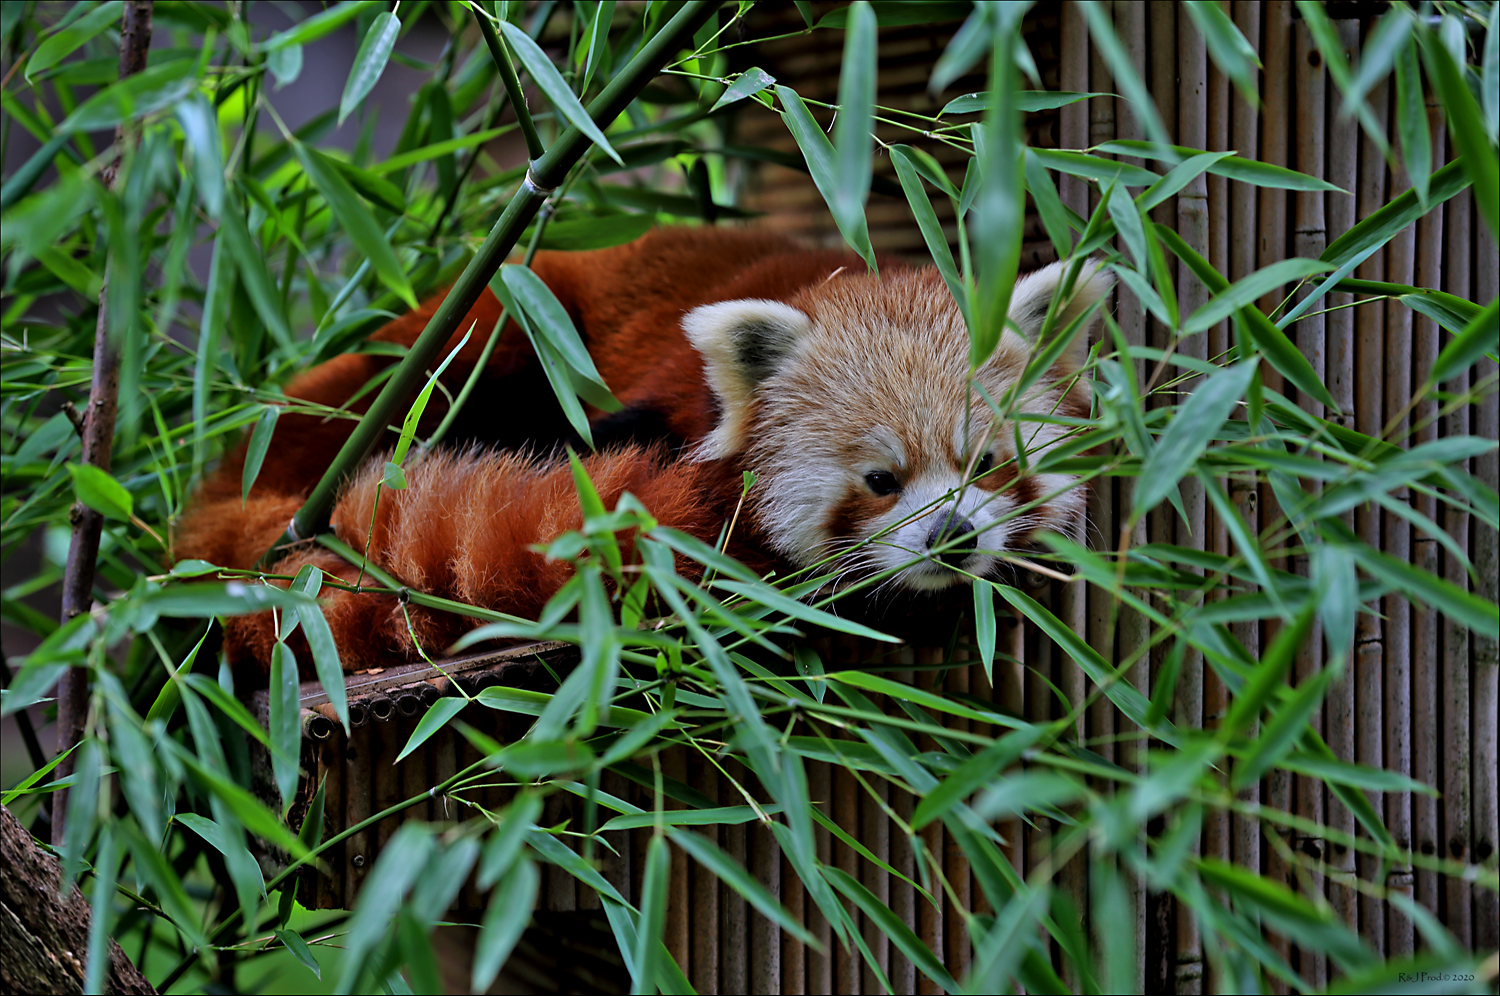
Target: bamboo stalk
1485, 704
1245, 135
1424, 620
1193, 226
820, 963
98, 437
703, 890
1309, 239
545, 174
1458, 768
1369, 628
1275, 149
1134, 629
1400, 267
1216, 822
1343, 166
765, 941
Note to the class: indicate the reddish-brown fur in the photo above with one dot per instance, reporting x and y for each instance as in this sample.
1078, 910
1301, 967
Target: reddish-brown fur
478, 518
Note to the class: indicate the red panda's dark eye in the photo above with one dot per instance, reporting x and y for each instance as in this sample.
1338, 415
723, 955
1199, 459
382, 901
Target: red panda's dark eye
984, 464
882, 482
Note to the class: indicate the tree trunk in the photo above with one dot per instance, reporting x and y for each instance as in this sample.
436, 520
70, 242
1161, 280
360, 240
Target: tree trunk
44, 936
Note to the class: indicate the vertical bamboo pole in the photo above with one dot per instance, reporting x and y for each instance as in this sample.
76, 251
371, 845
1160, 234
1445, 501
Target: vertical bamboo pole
1245, 137
1457, 835
1193, 226
1274, 148
1424, 619
677, 931
1485, 705
1134, 628
1400, 267
903, 896
1310, 238
702, 968
734, 912
1369, 628
1343, 162
820, 963
765, 942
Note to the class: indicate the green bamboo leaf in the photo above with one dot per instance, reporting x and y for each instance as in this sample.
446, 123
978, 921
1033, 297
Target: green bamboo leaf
1273, 343
1188, 434
1124, 695
984, 625
750, 82
1375, 230
852, 138
546, 76
369, 62
1249, 289
1000, 200
1027, 101
371, 186
1411, 122
315, 27
434, 719
1127, 218
727, 815
768, 596
1476, 340
1287, 724
1026, 791
1122, 68
505, 920
255, 451
70, 37
200, 132
892, 927
1466, 127
1048, 205
401, 862
326, 660
102, 910
1095, 167
285, 727
549, 318
133, 97
357, 221
1232, 167
733, 874
818, 152
293, 942
1178, 177
101, 492
285, 64
1227, 47
1377, 57
979, 770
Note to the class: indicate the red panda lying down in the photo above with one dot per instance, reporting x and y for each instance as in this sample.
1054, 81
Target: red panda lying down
730, 350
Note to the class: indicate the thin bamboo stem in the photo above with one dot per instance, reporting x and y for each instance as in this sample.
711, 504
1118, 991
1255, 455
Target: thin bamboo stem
98, 438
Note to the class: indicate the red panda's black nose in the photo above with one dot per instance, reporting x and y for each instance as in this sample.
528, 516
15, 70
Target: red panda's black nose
950, 527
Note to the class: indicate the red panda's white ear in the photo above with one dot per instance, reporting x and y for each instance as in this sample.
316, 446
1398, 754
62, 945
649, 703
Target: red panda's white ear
742, 343
1033, 295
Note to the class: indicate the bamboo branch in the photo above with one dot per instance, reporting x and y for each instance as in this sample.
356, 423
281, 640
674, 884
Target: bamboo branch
98, 435
546, 173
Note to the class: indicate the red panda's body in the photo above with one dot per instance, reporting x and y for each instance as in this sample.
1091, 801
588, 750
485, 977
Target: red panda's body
729, 351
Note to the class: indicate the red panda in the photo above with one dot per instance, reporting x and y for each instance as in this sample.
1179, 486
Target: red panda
847, 395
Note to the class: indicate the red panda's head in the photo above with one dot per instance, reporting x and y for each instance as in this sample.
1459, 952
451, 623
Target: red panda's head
873, 449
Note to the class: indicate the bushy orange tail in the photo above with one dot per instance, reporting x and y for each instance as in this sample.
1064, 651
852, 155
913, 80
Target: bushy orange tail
464, 529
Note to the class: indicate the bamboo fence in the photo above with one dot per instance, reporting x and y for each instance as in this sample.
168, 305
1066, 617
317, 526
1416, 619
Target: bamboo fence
1420, 693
